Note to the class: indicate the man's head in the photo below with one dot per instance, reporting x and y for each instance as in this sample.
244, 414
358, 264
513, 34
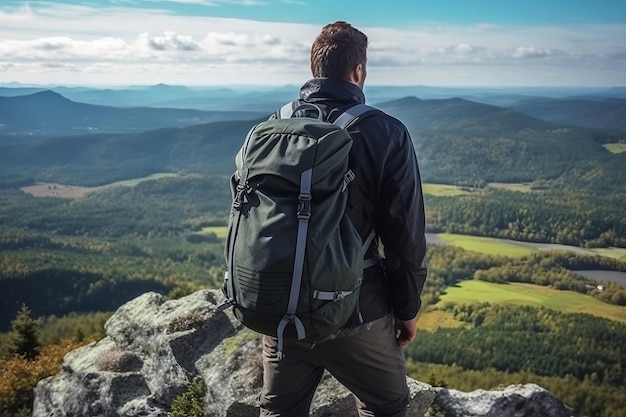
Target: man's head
340, 51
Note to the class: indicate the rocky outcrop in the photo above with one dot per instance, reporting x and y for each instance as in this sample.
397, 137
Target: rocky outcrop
155, 348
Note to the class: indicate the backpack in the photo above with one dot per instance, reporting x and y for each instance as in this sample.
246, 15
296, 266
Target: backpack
295, 261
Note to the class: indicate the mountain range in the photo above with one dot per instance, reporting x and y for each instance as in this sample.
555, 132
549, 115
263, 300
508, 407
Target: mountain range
587, 107
48, 137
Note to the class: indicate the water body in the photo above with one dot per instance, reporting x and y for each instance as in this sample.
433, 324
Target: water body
600, 275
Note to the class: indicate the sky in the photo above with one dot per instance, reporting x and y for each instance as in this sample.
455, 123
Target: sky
493, 43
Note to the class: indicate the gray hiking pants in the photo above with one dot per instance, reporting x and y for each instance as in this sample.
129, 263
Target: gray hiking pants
369, 363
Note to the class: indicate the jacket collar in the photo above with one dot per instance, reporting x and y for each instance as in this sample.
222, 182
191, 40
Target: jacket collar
322, 89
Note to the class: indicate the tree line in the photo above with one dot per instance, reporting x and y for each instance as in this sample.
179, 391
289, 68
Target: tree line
547, 217
584, 350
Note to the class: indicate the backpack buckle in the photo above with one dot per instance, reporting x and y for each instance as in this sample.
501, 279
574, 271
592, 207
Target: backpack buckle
348, 177
340, 295
304, 206
241, 195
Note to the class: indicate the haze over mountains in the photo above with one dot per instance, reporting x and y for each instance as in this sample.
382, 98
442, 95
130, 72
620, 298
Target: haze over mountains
590, 107
49, 137
49, 113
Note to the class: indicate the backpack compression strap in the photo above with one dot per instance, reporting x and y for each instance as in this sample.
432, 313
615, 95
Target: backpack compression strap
238, 198
304, 214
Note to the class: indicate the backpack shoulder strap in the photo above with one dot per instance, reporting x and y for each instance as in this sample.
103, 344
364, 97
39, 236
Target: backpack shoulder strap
286, 111
352, 115
346, 119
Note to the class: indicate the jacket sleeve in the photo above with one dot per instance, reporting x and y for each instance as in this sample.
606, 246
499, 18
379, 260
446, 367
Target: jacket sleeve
401, 224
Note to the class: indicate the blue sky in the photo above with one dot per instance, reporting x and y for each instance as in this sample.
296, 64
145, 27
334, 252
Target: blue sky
262, 42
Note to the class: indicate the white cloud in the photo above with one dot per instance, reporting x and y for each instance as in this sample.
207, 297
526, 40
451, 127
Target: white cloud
104, 45
534, 52
169, 41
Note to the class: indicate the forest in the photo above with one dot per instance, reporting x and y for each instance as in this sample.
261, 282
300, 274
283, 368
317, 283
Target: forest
115, 244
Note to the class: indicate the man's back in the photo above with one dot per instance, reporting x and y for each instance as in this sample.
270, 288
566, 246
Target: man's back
385, 196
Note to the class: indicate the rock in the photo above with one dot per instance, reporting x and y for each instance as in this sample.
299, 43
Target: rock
528, 400
155, 348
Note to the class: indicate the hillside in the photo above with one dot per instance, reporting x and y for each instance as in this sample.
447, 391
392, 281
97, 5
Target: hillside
470, 143
458, 141
594, 112
49, 113
457, 114
99, 159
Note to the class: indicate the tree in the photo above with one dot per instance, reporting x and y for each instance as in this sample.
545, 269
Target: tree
24, 335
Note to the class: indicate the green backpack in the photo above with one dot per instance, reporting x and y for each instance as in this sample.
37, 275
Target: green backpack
295, 261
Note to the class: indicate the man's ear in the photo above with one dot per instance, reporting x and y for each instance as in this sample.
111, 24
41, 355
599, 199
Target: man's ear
357, 75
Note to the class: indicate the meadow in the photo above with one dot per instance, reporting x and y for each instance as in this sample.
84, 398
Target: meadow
51, 189
486, 245
615, 147
474, 291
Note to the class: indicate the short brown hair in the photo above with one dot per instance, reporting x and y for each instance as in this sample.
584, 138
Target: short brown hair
337, 50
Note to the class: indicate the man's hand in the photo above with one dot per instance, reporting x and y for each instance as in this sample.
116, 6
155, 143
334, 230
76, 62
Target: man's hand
405, 331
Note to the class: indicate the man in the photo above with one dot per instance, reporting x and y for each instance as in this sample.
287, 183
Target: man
386, 195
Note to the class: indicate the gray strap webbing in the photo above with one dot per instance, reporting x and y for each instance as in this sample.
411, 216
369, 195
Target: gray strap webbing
349, 116
228, 276
286, 111
281, 329
374, 259
303, 228
368, 241
344, 120
331, 295
298, 266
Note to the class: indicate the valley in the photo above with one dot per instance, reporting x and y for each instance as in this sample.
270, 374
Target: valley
75, 191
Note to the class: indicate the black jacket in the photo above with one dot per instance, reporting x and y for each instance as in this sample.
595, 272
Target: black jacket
386, 195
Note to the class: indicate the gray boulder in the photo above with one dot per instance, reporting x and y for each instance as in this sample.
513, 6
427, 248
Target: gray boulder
155, 348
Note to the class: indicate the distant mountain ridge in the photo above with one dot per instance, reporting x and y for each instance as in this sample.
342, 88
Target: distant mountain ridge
464, 142
457, 114
588, 107
98, 159
595, 112
49, 113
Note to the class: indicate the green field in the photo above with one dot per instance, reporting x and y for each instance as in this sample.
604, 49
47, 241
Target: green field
219, 231
474, 291
617, 253
133, 182
520, 187
444, 190
447, 190
615, 147
487, 245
